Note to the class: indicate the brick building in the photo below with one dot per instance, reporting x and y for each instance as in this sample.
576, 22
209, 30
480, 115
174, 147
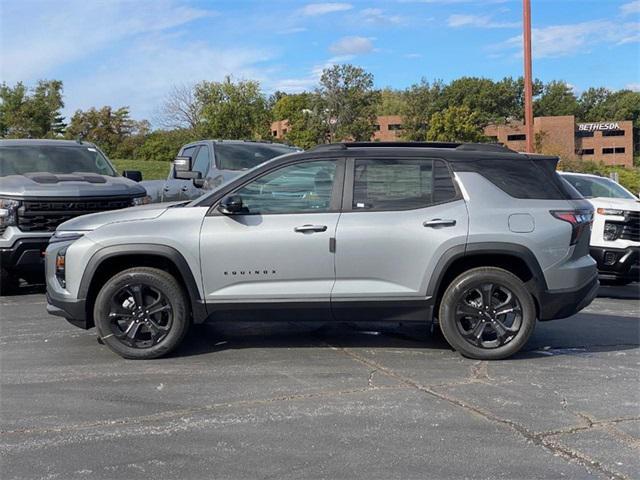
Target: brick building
609, 142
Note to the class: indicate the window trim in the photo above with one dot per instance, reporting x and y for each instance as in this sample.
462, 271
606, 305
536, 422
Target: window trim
193, 161
347, 200
336, 194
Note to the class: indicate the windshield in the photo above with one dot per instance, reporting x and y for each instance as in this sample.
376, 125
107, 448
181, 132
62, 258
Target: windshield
591, 187
18, 160
243, 156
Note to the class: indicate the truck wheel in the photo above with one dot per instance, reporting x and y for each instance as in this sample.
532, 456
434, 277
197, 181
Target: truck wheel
487, 313
9, 283
141, 313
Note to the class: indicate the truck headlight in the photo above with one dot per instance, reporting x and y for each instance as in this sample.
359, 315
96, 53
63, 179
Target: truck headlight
8, 212
611, 231
140, 200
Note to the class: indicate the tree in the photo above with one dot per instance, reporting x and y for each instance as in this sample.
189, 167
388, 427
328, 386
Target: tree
421, 101
112, 130
292, 106
347, 102
233, 110
181, 109
163, 144
557, 98
598, 104
455, 124
31, 113
392, 102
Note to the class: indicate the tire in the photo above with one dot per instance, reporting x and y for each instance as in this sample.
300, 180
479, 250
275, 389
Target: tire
464, 314
121, 321
9, 282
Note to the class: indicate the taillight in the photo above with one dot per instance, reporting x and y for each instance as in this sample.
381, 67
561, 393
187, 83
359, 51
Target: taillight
579, 220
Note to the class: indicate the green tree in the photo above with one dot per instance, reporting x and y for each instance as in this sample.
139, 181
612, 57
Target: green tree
347, 102
292, 106
421, 101
114, 131
32, 113
598, 104
392, 102
557, 98
163, 144
233, 110
455, 124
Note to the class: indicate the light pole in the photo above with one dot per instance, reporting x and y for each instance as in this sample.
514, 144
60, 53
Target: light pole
528, 80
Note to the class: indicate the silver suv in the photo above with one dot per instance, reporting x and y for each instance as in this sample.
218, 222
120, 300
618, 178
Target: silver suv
479, 238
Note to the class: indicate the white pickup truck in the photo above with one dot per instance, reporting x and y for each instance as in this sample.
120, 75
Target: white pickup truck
615, 237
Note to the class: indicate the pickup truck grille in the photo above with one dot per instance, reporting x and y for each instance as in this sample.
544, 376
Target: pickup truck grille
46, 215
631, 226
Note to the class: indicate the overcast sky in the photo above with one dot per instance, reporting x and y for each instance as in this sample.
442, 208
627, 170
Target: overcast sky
130, 52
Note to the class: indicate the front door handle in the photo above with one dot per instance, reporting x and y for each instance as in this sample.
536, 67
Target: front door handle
439, 222
310, 228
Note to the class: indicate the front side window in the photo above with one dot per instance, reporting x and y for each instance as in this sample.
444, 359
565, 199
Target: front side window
243, 156
18, 160
300, 188
381, 184
201, 162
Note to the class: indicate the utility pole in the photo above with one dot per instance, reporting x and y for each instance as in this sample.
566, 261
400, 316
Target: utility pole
528, 80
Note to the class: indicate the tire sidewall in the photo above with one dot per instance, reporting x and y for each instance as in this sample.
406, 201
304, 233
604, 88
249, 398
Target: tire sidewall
473, 278
158, 279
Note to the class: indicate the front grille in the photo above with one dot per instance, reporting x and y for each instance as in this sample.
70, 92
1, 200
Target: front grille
631, 226
46, 215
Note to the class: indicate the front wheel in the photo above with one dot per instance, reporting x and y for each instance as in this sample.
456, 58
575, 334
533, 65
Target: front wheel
487, 313
141, 313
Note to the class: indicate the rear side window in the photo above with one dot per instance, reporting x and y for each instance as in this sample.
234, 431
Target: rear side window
523, 178
386, 184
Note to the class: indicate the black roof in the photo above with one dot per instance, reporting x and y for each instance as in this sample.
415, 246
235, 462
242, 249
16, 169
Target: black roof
475, 147
25, 142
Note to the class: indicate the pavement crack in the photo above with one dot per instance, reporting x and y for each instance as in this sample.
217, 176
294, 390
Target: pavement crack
540, 440
370, 379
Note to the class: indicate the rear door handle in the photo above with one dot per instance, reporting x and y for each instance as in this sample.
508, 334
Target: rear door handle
439, 222
310, 228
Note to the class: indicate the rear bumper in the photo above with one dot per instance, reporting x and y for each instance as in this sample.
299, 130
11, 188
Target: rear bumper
622, 263
564, 303
25, 255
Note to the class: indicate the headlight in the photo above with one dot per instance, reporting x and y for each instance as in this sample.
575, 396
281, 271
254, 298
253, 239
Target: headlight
8, 210
61, 258
611, 211
611, 231
141, 200
66, 236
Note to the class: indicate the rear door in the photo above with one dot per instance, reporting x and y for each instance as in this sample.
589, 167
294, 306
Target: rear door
399, 217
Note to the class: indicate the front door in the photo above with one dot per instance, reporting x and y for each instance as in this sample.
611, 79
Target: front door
400, 216
278, 251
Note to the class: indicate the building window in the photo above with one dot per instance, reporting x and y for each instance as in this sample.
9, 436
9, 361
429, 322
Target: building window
613, 133
607, 151
275, 133
583, 134
395, 126
586, 151
512, 138
376, 128
619, 150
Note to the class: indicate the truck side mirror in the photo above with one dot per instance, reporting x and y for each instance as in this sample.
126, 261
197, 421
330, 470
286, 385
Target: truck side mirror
135, 175
232, 205
182, 166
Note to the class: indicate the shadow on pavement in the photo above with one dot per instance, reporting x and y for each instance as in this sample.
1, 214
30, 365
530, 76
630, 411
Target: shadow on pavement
627, 292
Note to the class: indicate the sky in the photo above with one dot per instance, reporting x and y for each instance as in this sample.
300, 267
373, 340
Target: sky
131, 52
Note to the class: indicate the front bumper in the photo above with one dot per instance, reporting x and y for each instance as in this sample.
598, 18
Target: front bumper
25, 255
564, 303
619, 263
74, 311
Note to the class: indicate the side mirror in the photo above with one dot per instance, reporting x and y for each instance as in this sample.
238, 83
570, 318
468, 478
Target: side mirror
182, 168
232, 205
134, 175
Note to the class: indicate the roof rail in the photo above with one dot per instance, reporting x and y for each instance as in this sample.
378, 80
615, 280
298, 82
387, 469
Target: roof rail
469, 147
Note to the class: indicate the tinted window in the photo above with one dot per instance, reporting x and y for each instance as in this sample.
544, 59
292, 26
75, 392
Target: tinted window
189, 151
243, 156
301, 188
19, 160
400, 184
201, 162
597, 187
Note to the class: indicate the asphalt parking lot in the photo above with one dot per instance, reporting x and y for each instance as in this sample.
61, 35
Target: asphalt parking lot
314, 401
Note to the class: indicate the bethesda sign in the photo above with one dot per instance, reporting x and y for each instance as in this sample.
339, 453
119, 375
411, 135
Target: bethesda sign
592, 127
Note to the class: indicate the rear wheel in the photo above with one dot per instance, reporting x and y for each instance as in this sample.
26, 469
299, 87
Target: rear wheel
487, 313
141, 313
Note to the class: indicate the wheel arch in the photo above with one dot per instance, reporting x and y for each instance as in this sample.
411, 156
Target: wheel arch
110, 260
514, 258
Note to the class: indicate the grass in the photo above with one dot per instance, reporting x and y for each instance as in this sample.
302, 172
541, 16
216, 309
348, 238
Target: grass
151, 170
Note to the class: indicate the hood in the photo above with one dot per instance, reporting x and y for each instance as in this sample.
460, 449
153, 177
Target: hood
616, 203
95, 220
42, 184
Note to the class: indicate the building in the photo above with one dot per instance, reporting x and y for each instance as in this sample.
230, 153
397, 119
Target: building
608, 142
